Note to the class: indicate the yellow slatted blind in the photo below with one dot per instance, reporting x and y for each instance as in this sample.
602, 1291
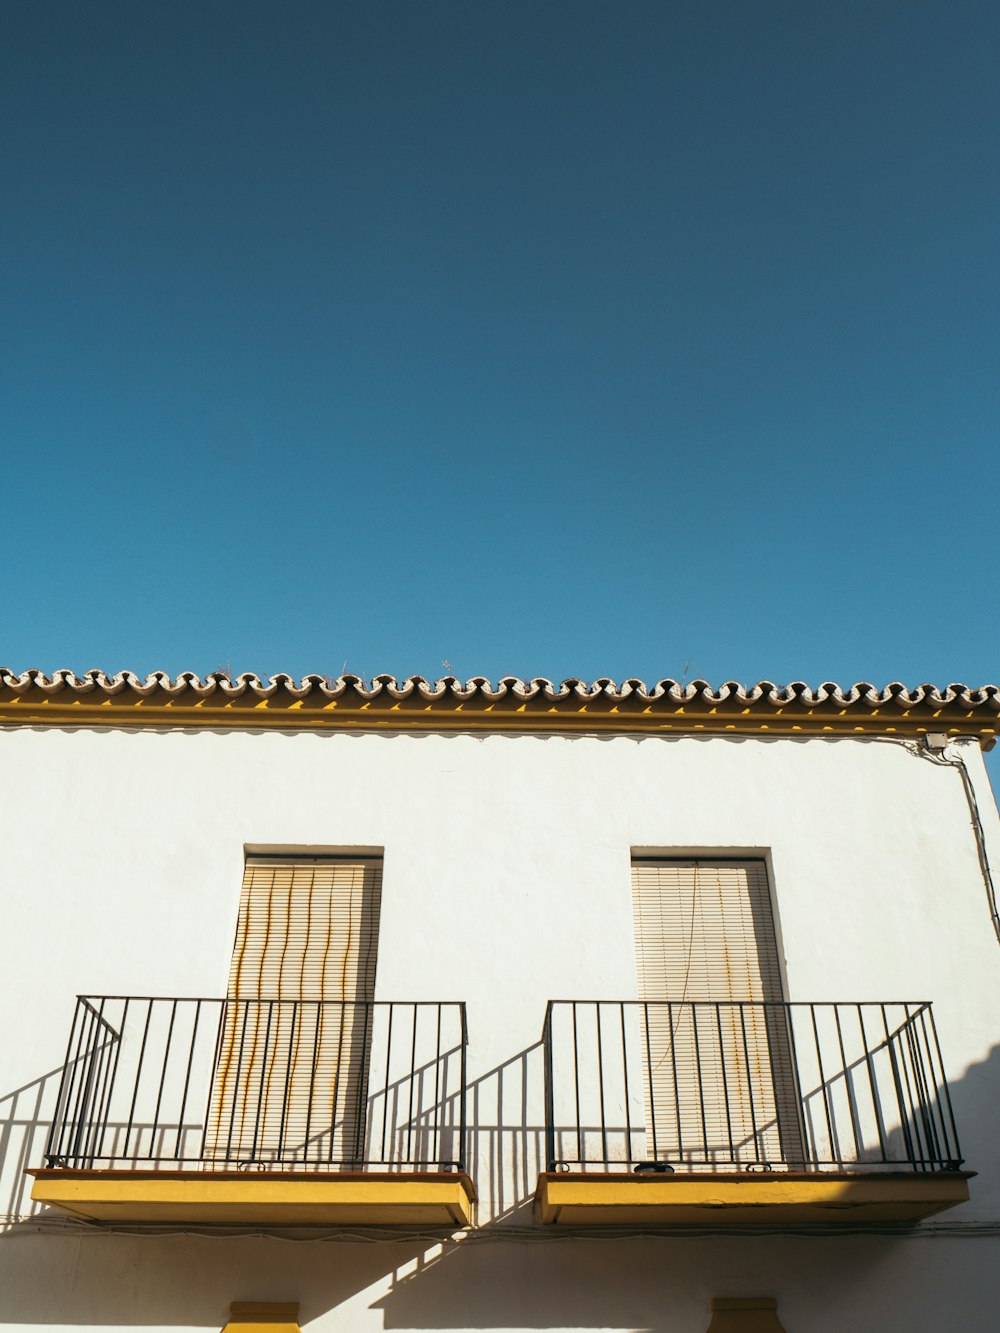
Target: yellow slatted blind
291, 1078
719, 1085
307, 931
704, 931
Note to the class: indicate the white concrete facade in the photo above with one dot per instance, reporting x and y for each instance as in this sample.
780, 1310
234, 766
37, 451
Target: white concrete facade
506, 884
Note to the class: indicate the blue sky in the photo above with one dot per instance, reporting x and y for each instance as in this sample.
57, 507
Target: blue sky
533, 338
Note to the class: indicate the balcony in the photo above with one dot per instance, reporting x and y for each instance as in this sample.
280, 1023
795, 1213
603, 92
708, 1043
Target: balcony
261, 1112
736, 1115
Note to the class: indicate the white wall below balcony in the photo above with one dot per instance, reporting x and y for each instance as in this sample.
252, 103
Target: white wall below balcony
182, 1284
506, 883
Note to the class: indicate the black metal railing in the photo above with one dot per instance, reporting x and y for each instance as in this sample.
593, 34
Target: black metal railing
662, 1087
262, 1085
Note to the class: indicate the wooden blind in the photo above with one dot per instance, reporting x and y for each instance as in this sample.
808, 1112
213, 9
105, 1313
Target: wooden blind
307, 931
704, 931
290, 1083
719, 1082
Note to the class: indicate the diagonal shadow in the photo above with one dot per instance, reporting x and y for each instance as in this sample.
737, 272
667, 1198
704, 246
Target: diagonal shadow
650, 1284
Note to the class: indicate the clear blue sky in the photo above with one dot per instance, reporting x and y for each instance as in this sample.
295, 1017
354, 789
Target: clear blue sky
536, 338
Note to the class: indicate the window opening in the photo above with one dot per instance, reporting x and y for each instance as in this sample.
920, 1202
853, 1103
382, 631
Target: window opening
295, 1039
719, 1087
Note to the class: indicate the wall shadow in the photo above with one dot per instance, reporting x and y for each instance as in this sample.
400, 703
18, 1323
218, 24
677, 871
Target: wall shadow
507, 1137
612, 1281
25, 1117
640, 1283
503, 1277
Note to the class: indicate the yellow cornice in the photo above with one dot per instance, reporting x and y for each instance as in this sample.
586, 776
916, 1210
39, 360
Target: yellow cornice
321, 705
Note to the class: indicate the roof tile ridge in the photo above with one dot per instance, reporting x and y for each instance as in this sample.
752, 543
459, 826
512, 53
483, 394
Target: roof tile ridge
484, 688
981, 694
692, 690
861, 693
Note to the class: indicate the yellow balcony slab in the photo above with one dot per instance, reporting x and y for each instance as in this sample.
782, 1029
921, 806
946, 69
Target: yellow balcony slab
748, 1199
263, 1317
280, 1199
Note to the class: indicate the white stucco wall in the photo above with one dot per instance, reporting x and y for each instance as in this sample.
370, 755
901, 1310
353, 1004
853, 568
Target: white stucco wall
506, 883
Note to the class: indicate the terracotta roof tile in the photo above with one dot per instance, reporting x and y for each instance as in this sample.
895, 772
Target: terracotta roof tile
32, 697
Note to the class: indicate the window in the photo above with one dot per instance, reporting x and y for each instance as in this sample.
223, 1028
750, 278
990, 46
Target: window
291, 1074
719, 1087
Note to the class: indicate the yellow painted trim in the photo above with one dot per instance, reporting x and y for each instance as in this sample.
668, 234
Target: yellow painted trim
752, 1199
283, 712
263, 1317
754, 1314
259, 1200
744, 1303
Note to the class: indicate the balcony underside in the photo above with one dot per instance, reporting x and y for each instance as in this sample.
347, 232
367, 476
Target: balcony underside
280, 1199
742, 1200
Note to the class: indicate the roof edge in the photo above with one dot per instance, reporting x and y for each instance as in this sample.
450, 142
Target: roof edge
351, 703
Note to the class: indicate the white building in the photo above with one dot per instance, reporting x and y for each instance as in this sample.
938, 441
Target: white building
529, 1007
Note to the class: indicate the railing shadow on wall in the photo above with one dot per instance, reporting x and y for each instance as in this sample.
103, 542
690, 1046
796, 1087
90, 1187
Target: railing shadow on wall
440, 1283
504, 1148
608, 1285
25, 1119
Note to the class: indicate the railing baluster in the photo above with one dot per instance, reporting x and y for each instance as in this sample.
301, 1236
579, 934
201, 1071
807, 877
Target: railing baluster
312, 1083
60, 1120
672, 1027
876, 1102
576, 1085
550, 1117
933, 1084
138, 1076
187, 1081
748, 1067
628, 1115
701, 1085
413, 1076
463, 1075
600, 1082
436, 1132
106, 1113
388, 1083
953, 1142
85, 1062
899, 1090
809, 1152
848, 1086
292, 1037
832, 1138
265, 1075
336, 1090
359, 1122
933, 1154
649, 1078
236, 1081
213, 1086
163, 1079
912, 1096
98, 1108
725, 1083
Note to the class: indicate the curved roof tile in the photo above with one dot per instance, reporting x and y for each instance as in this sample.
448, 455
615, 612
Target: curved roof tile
349, 701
